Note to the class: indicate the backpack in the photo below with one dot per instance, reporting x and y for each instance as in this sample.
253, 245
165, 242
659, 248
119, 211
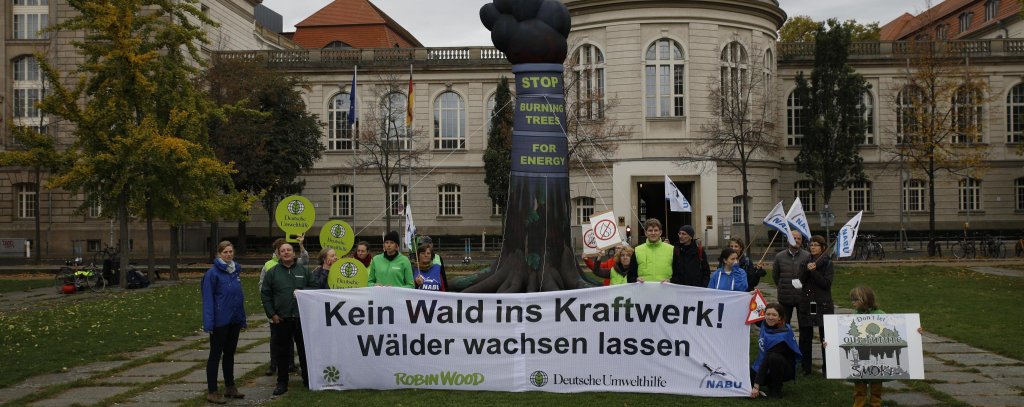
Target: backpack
137, 280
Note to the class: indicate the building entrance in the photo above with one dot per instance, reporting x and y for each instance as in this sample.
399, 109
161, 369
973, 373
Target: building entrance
651, 203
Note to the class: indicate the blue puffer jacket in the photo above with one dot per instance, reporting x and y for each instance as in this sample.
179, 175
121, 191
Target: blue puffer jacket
223, 301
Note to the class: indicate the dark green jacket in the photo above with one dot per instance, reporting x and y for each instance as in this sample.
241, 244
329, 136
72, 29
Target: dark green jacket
279, 286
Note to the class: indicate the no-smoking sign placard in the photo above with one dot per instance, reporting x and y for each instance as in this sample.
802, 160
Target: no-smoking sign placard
606, 231
589, 240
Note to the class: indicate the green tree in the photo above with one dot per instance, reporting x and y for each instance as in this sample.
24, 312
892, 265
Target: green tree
129, 122
39, 153
854, 332
873, 329
804, 29
834, 124
498, 154
939, 117
266, 131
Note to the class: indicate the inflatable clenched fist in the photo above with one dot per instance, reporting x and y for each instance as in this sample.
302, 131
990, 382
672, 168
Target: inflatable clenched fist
528, 31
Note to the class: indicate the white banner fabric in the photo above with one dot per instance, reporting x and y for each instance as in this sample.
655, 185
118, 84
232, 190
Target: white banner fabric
644, 338
874, 346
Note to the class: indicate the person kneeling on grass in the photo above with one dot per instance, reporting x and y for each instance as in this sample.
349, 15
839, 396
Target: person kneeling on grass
779, 352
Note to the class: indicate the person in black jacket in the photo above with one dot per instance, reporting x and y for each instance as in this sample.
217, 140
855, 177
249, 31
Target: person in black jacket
788, 265
754, 273
815, 300
689, 263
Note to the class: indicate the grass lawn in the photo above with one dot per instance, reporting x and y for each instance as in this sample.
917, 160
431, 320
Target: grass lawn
8, 284
81, 332
973, 308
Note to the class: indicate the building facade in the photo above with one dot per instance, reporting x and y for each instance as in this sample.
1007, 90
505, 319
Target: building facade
649, 67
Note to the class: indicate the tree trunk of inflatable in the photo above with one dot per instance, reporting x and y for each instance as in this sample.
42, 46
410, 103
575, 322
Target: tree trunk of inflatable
537, 254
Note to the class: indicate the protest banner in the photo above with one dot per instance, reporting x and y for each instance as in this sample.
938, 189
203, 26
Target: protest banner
338, 235
646, 338
873, 346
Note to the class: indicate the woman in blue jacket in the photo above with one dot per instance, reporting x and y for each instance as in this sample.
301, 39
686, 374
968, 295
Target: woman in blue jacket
223, 319
729, 276
777, 356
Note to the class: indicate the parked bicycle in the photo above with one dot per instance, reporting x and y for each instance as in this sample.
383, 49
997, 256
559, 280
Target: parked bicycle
992, 247
80, 276
108, 259
867, 248
964, 249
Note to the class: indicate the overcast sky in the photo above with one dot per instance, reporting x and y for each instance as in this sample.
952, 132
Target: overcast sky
442, 23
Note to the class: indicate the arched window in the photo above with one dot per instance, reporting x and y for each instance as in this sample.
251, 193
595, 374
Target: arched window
794, 120
1015, 114
914, 194
664, 79
807, 191
860, 196
868, 103
393, 109
342, 201
907, 103
588, 82
489, 114
584, 208
449, 121
970, 194
449, 200
28, 89
967, 115
735, 72
29, 17
339, 133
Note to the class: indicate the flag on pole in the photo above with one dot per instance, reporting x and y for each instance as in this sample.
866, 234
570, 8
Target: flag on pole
410, 227
776, 219
677, 202
411, 102
798, 220
352, 119
847, 236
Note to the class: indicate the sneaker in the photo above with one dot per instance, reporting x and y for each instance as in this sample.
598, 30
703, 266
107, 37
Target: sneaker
215, 398
232, 393
280, 389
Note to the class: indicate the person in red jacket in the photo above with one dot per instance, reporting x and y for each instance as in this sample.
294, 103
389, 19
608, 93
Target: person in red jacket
601, 264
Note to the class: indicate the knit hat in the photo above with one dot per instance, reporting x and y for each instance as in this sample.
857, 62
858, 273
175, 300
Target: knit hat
688, 230
392, 236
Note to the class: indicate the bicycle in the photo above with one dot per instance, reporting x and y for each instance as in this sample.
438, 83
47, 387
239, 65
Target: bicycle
108, 258
964, 249
992, 247
868, 248
83, 278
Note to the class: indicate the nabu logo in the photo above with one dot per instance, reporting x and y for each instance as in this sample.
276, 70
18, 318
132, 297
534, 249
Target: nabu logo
331, 375
719, 379
538, 378
296, 207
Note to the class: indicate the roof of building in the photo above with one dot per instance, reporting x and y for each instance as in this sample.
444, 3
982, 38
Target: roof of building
908, 26
357, 23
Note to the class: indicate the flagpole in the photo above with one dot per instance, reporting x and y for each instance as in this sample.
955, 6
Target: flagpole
766, 249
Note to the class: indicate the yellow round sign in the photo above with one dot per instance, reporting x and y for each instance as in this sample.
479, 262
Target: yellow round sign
338, 235
347, 273
295, 215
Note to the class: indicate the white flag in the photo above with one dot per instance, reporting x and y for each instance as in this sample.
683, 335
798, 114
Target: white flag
410, 227
776, 219
677, 202
847, 236
798, 220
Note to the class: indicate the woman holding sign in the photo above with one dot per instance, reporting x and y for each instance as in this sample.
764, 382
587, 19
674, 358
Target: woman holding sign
776, 361
428, 275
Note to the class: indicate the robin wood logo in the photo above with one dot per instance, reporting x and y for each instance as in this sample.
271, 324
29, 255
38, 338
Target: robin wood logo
331, 375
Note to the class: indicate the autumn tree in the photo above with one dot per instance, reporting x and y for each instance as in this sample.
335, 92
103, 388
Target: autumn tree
740, 130
498, 154
804, 29
939, 117
37, 151
130, 125
386, 145
833, 114
266, 131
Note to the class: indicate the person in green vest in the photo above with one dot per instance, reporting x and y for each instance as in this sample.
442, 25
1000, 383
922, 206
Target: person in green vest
391, 268
652, 261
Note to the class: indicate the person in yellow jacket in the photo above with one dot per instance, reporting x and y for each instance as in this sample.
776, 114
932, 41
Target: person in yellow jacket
652, 261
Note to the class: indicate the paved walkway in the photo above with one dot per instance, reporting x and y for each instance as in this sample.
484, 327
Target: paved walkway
174, 373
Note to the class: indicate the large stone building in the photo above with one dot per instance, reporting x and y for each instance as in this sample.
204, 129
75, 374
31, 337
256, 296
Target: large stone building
652, 65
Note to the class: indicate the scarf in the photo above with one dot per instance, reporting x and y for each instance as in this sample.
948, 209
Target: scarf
227, 267
770, 337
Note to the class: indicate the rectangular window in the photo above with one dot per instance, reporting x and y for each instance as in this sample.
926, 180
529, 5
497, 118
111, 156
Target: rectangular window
496, 209
1018, 186
26, 102
737, 210
449, 200
860, 196
398, 195
678, 91
970, 194
342, 201
651, 89
965, 21
95, 210
27, 25
25, 194
584, 208
806, 191
913, 196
